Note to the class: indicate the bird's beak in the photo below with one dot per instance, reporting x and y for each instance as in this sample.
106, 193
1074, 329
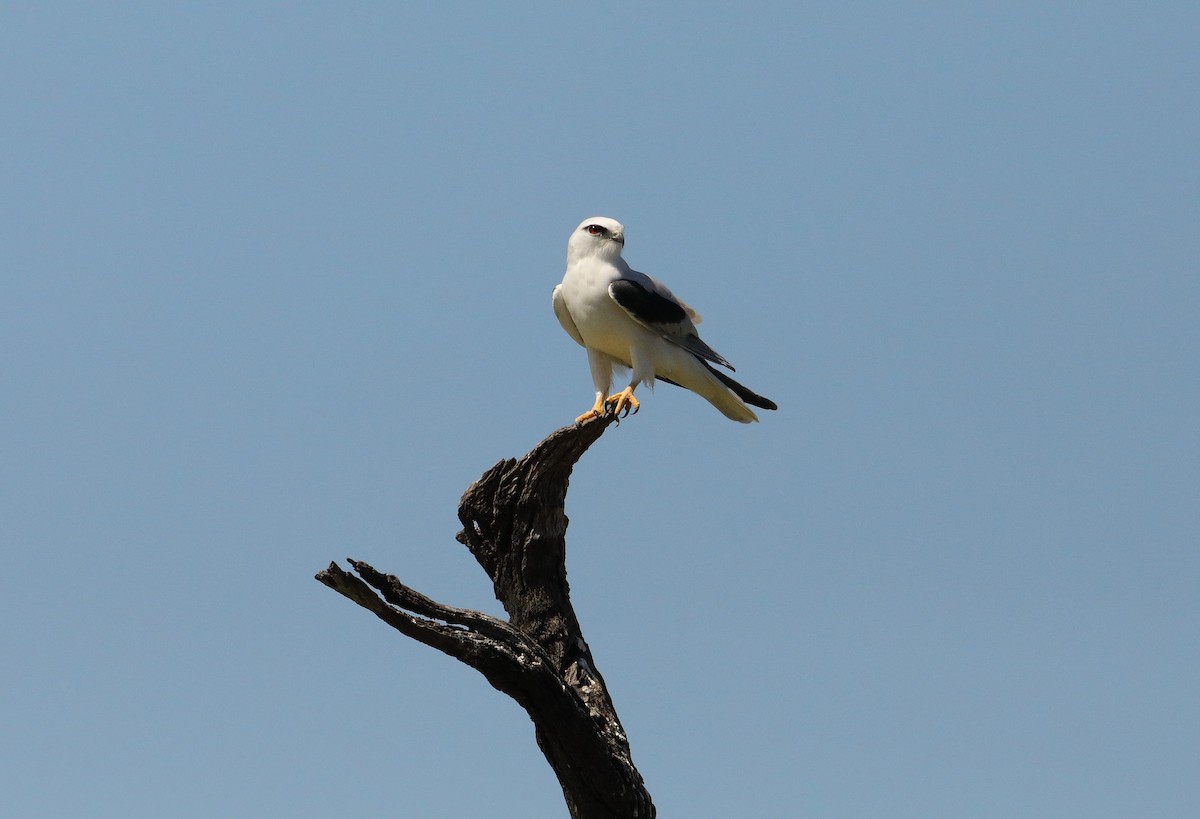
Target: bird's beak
619, 237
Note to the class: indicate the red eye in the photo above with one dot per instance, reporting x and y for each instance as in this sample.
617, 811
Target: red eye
595, 230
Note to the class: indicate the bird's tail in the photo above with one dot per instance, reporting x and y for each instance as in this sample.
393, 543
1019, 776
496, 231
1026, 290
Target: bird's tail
727, 395
749, 396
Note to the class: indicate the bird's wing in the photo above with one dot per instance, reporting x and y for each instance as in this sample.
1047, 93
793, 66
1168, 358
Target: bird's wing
564, 316
660, 312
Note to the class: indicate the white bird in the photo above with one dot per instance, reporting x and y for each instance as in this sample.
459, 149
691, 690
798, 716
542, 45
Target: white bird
623, 317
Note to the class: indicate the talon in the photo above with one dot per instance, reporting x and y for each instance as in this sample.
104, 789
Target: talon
600, 407
622, 403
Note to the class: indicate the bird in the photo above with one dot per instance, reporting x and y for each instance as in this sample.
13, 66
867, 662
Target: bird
629, 319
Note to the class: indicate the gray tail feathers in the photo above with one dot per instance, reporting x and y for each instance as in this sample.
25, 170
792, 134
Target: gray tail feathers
750, 397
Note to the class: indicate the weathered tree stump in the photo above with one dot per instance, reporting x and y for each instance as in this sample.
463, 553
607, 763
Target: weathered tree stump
514, 524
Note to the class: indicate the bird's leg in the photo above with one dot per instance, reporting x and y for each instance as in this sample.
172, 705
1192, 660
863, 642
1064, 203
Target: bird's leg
623, 400
601, 366
596, 410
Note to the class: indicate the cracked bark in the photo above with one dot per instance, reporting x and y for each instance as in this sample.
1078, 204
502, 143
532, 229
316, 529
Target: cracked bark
514, 525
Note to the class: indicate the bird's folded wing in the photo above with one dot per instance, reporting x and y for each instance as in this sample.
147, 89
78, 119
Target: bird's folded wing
564, 316
662, 315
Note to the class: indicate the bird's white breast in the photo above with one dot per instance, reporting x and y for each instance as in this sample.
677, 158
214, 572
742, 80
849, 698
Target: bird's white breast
600, 320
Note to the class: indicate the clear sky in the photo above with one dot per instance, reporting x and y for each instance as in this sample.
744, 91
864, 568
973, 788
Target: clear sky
276, 289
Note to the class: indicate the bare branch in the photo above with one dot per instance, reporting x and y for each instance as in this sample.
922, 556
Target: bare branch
514, 525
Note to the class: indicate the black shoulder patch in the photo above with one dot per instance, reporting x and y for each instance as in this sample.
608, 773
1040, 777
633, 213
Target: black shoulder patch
645, 305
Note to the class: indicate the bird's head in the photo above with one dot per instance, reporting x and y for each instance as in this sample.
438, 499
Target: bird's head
597, 236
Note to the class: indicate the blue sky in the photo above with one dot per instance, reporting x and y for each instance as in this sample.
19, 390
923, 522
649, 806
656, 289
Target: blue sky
276, 290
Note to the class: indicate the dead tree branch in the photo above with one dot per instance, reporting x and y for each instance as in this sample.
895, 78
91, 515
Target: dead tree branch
514, 524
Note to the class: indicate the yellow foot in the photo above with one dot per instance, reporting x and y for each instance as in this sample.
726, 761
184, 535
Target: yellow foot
595, 412
623, 400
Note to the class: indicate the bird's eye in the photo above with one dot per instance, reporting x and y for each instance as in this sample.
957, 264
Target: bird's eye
596, 230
